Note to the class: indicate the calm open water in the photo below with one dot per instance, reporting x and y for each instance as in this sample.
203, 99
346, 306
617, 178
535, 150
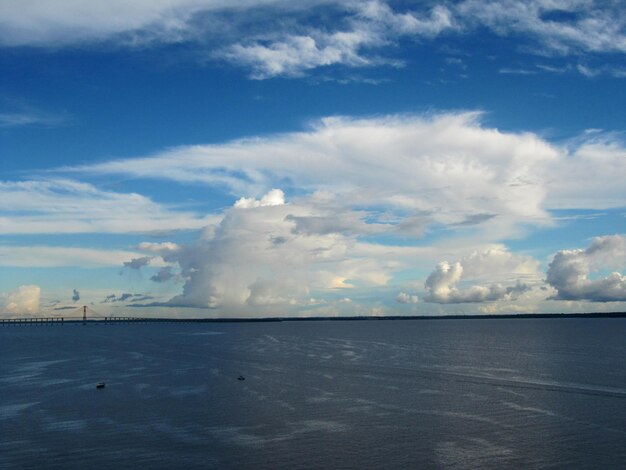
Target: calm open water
544, 393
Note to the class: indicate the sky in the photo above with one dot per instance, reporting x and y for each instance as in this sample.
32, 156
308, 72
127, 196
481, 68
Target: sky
258, 158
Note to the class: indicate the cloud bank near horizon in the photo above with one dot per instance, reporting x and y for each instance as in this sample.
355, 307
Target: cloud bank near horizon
360, 202
256, 259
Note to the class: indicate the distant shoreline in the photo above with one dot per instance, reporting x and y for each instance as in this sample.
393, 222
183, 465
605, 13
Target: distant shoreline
401, 317
301, 319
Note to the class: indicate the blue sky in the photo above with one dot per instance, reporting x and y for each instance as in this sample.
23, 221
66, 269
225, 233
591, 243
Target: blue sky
256, 158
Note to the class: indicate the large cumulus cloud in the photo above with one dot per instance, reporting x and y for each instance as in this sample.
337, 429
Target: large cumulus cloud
570, 270
256, 257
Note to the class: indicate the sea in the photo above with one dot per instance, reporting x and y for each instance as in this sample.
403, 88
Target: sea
463, 393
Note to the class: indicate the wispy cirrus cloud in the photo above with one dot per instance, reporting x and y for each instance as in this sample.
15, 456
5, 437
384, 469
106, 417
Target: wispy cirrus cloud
278, 38
43, 256
557, 27
68, 206
17, 112
22, 116
372, 25
140, 23
603, 70
40, 23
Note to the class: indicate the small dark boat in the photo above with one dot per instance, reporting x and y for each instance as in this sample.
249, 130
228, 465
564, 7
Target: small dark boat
241, 377
100, 385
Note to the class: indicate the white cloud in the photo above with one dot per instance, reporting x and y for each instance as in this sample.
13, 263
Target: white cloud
433, 22
353, 181
56, 256
508, 71
584, 26
372, 25
67, 206
589, 173
283, 46
405, 298
498, 263
592, 72
32, 117
161, 249
293, 55
441, 284
22, 301
275, 197
445, 169
569, 271
277, 37
42, 23
264, 292
65, 22
255, 259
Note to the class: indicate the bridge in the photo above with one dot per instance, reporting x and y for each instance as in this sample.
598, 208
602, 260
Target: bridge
83, 315
87, 315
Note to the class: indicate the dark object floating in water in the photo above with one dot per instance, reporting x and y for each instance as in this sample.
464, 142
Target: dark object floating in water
100, 385
241, 377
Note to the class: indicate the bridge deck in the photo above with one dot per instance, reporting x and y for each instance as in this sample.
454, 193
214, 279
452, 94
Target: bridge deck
62, 320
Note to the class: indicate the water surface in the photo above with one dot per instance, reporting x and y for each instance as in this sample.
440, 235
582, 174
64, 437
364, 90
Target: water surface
533, 393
